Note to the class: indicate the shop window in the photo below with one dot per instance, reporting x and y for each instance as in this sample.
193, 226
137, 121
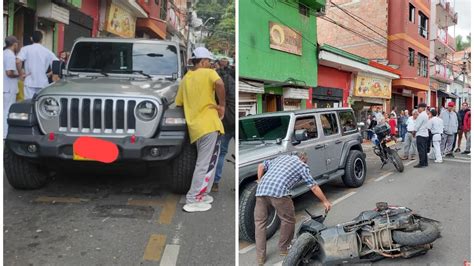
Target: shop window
308, 123
422, 65
411, 57
348, 122
423, 25
329, 123
411, 13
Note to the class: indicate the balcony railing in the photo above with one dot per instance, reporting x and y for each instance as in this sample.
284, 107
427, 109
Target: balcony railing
446, 39
442, 72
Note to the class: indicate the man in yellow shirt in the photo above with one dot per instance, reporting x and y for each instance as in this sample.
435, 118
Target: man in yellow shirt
197, 94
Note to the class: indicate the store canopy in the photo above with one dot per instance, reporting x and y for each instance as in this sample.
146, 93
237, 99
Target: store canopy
446, 95
332, 59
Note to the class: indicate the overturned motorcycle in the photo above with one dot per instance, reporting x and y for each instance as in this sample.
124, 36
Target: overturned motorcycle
386, 232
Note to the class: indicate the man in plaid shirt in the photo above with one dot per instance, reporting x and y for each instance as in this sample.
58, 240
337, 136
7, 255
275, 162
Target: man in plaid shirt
281, 174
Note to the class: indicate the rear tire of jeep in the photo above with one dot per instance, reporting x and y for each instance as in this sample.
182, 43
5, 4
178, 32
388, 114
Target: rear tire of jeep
21, 174
355, 170
246, 217
182, 169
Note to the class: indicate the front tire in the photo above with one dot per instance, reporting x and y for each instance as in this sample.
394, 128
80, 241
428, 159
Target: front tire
22, 174
183, 168
246, 217
355, 170
301, 250
396, 160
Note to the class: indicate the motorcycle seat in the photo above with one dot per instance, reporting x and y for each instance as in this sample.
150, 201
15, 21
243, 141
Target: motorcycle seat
365, 215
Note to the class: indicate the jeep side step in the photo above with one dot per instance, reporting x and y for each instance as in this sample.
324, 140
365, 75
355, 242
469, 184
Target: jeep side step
301, 187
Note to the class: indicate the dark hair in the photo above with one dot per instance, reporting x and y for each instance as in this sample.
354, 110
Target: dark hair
37, 36
196, 61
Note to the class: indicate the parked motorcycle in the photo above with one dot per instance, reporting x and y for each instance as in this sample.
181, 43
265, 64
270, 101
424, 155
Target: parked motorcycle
385, 232
384, 146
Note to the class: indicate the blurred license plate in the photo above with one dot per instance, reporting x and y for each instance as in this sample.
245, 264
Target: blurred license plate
390, 143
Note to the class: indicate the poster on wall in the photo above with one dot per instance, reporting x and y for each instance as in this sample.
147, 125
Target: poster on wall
372, 86
285, 39
120, 22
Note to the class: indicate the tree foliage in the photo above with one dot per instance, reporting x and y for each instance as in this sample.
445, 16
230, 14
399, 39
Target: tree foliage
461, 44
221, 37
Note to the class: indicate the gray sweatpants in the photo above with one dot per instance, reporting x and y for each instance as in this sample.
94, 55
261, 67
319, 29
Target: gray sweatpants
468, 140
447, 142
409, 145
207, 153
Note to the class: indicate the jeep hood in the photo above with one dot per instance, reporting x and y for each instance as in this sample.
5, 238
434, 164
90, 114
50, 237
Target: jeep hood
250, 154
113, 86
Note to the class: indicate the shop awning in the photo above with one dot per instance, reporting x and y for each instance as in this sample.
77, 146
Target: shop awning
152, 27
447, 95
329, 59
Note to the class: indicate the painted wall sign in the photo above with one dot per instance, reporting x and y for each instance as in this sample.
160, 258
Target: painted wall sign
372, 86
285, 39
120, 22
53, 12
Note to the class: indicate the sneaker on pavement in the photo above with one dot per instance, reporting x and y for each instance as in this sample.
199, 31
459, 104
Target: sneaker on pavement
465, 152
215, 187
437, 161
208, 199
197, 207
457, 150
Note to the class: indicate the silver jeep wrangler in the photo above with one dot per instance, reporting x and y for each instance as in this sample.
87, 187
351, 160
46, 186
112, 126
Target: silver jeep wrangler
330, 137
118, 90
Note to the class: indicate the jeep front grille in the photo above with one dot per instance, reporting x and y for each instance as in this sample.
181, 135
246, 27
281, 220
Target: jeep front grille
86, 115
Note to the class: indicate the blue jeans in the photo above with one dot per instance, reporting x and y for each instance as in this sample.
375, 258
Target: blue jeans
403, 131
225, 139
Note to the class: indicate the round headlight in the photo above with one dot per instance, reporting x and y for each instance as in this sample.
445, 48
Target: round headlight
49, 108
146, 111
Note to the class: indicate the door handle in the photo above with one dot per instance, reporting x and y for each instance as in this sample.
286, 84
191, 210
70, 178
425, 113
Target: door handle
338, 141
317, 147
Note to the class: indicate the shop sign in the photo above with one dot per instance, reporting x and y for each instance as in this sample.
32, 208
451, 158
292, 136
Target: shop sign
120, 22
285, 39
372, 86
406, 92
295, 93
53, 12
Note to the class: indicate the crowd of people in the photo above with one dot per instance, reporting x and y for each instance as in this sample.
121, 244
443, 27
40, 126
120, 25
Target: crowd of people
32, 64
433, 134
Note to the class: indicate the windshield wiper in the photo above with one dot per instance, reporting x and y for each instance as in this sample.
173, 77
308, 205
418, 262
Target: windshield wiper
133, 71
92, 70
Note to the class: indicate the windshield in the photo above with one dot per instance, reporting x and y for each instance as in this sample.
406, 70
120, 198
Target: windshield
263, 128
116, 57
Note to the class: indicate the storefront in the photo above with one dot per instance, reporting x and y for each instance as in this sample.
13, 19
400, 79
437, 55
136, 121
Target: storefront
121, 17
294, 98
323, 97
370, 91
80, 25
48, 15
249, 93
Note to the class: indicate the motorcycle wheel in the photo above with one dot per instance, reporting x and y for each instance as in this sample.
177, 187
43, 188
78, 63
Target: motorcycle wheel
396, 160
301, 250
427, 234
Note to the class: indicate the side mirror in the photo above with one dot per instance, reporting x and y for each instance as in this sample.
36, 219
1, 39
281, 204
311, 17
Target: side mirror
56, 68
300, 135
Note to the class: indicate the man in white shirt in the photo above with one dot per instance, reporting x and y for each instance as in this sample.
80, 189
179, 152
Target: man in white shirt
10, 78
436, 126
422, 136
450, 120
409, 143
37, 59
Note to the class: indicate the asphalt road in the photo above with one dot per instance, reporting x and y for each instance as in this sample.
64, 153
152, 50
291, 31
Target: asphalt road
440, 192
116, 219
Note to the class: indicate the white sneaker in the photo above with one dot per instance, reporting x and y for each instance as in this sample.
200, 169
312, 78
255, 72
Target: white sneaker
197, 207
208, 199
436, 161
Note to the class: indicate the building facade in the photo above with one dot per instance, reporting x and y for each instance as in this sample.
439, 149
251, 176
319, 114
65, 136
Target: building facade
277, 54
442, 47
395, 34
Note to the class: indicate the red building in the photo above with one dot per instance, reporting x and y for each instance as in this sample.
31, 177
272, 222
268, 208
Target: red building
395, 34
154, 26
